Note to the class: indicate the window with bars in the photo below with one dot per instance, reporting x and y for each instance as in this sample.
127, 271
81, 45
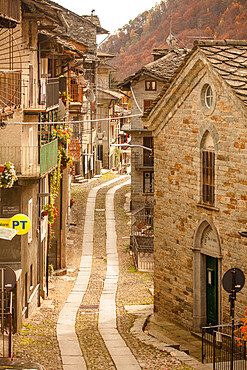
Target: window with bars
208, 177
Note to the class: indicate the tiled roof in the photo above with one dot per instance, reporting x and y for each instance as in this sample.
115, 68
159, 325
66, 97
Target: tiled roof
162, 68
166, 66
111, 93
61, 41
229, 59
81, 28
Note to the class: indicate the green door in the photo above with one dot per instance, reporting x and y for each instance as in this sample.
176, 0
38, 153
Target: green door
212, 290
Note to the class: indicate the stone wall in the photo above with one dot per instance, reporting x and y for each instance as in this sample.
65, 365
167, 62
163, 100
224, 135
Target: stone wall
138, 198
178, 207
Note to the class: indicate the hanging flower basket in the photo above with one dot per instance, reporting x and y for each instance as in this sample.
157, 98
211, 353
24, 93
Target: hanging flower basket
51, 211
8, 175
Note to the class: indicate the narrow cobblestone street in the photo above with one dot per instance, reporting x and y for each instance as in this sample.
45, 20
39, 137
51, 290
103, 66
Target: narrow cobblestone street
86, 298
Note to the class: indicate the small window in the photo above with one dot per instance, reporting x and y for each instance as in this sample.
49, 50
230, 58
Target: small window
146, 104
148, 182
208, 177
150, 85
208, 96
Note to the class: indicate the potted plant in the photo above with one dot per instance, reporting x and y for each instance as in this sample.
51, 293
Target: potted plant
51, 211
8, 175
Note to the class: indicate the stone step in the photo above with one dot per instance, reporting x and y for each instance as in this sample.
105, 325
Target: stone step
156, 332
159, 330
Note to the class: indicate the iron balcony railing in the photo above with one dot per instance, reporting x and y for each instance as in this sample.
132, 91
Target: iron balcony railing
49, 91
143, 160
31, 161
10, 89
10, 9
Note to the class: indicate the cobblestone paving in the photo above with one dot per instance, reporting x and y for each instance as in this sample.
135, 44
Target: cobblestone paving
94, 350
135, 288
37, 340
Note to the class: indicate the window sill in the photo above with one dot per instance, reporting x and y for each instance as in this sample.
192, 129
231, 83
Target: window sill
148, 194
207, 206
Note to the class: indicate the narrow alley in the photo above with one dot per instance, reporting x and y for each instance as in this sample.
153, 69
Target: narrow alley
86, 322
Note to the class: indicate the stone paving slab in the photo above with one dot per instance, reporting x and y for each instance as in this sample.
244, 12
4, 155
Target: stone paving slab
68, 342
120, 353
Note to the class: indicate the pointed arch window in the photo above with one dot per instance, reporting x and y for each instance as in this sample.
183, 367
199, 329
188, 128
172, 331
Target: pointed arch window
208, 171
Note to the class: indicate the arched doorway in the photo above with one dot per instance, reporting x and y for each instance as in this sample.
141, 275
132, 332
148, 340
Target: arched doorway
206, 276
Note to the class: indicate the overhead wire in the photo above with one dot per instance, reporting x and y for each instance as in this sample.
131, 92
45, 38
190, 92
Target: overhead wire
81, 121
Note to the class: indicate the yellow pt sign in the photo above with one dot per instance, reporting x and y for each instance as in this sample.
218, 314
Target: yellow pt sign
18, 222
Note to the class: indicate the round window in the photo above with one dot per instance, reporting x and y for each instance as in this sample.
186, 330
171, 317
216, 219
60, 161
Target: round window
208, 96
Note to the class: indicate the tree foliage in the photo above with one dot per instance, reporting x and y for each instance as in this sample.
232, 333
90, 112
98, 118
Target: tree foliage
189, 20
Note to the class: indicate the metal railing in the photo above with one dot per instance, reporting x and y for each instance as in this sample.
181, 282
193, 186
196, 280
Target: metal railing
143, 248
142, 222
10, 89
30, 160
10, 9
220, 348
143, 160
6, 324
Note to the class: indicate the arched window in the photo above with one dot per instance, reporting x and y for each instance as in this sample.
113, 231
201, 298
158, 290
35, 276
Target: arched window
208, 170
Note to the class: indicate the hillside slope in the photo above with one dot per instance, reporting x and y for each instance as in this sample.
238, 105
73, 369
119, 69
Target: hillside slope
188, 19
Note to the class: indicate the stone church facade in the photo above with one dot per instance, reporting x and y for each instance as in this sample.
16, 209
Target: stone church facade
200, 165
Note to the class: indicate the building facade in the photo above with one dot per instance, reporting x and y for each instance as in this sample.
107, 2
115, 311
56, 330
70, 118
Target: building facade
145, 85
199, 124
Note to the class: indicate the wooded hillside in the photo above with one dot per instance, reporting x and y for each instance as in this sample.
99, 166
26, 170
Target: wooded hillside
191, 19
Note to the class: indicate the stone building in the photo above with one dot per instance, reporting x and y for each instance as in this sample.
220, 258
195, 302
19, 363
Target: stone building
29, 147
144, 86
35, 51
199, 124
107, 111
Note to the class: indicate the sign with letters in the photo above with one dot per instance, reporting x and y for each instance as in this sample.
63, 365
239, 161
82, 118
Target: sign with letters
18, 222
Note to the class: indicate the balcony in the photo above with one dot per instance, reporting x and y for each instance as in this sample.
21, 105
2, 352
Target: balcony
10, 10
49, 92
30, 161
143, 161
10, 89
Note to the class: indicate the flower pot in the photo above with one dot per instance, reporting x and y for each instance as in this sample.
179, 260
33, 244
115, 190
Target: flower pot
44, 213
2, 167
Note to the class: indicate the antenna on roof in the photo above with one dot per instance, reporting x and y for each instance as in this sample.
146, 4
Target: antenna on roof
171, 39
92, 12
